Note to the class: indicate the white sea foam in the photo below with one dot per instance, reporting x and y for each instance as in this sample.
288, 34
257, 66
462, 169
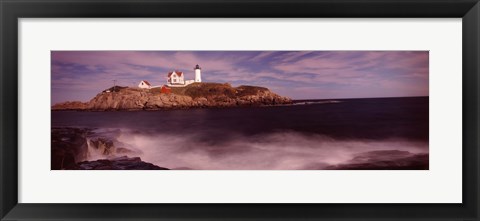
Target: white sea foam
275, 151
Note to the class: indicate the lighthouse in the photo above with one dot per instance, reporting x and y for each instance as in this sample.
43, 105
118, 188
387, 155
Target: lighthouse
198, 74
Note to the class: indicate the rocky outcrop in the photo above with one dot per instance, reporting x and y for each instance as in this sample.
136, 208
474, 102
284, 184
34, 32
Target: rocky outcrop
192, 96
120, 163
136, 99
385, 160
82, 149
69, 146
70, 105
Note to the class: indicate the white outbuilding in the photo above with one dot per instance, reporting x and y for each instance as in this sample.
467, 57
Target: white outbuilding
144, 84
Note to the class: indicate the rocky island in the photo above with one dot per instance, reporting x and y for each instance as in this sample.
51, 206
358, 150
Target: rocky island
195, 95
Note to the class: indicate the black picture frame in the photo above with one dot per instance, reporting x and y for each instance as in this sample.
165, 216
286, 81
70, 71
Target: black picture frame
12, 10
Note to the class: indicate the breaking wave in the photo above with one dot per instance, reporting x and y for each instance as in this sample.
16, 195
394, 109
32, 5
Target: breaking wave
274, 151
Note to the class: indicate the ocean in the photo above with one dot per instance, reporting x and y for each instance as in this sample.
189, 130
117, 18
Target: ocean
373, 133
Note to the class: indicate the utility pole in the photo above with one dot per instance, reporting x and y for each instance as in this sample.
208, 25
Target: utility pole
114, 85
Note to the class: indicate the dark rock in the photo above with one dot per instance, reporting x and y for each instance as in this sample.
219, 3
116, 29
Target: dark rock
68, 147
119, 163
385, 160
73, 145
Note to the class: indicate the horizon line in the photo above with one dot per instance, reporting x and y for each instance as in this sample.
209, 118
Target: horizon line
358, 98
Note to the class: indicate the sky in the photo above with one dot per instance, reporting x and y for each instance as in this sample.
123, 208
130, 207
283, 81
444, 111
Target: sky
80, 75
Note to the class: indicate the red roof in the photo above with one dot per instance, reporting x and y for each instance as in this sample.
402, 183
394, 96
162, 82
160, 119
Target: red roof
179, 73
148, 83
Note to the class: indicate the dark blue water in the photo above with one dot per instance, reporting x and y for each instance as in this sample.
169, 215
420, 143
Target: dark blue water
376, 123
376, 118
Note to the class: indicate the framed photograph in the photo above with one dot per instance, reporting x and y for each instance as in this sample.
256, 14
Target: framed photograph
239, 110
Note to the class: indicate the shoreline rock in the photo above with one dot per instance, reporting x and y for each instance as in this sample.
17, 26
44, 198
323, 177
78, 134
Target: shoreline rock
70, 105
69, 146
119, 163
82, 149
385, 160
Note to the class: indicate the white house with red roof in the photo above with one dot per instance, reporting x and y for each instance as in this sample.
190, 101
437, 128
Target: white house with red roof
144, 84
176, 78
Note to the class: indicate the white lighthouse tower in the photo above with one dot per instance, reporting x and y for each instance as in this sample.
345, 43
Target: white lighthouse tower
198, 74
